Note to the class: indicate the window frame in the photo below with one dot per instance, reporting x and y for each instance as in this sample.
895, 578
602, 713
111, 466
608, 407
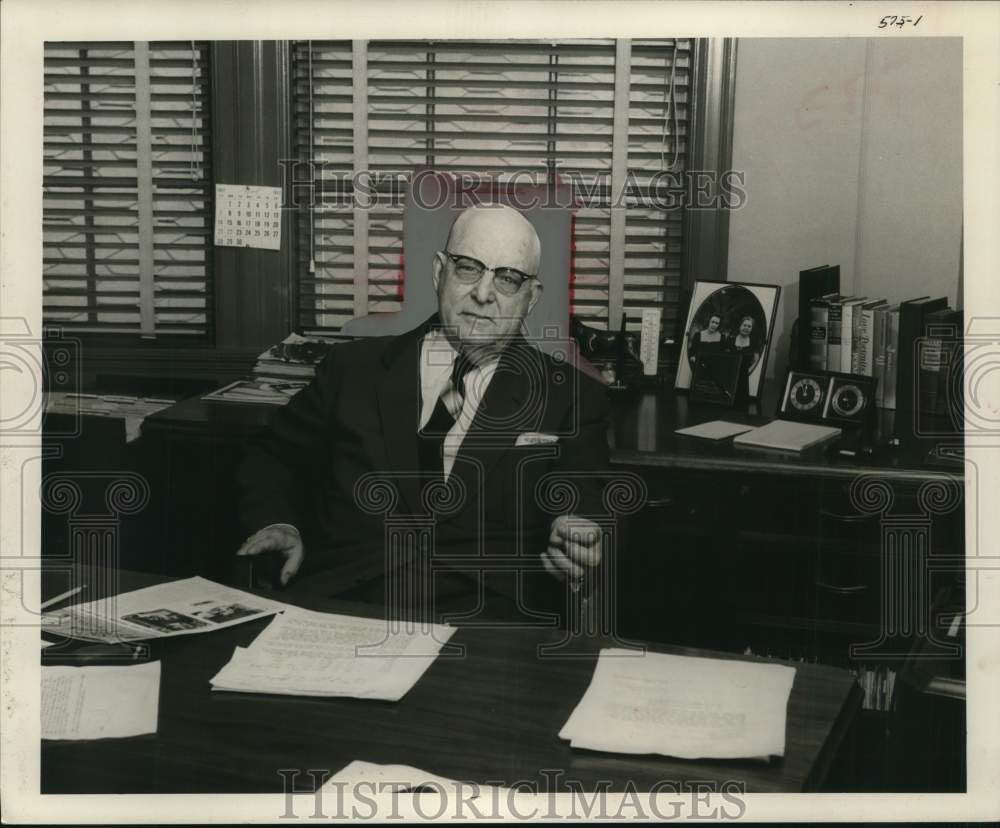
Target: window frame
256, 298
141, 102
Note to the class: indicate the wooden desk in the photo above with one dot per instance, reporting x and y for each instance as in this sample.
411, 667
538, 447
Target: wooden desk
794, 556
209, 419
642, 434
492, 716
734, 549
644, 426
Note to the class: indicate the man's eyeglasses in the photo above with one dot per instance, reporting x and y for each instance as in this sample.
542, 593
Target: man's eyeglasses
507, 280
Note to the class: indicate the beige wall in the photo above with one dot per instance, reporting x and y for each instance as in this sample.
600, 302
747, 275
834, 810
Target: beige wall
852, 151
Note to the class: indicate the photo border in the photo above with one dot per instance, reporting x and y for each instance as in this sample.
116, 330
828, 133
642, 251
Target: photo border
975, 23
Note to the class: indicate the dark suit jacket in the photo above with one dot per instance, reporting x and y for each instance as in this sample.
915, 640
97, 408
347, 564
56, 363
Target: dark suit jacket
321, 464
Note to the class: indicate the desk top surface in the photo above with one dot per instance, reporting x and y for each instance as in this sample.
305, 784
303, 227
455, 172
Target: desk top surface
212, 418
642, 434
490, 716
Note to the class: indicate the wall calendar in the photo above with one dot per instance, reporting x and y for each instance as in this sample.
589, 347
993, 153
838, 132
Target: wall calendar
248, 216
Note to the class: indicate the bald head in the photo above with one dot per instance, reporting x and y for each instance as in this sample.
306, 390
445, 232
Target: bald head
496, 235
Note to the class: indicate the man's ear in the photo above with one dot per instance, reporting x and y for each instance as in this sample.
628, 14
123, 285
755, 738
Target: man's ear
536, 294
436, 266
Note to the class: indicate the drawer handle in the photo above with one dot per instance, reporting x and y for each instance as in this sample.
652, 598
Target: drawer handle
658, 502
845, 518
857, 589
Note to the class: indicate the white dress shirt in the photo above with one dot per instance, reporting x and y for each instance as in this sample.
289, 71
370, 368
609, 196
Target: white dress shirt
436, 359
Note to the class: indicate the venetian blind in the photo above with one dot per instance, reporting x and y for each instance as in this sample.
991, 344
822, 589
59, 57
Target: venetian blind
127, 188
501, 108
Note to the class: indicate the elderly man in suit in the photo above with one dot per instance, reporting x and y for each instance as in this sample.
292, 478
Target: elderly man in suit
462, 401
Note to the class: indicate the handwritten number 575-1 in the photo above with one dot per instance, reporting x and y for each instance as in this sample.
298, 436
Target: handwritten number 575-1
899, 22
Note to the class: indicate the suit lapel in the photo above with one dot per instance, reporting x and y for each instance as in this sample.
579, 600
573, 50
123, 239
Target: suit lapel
398, 392
513, 403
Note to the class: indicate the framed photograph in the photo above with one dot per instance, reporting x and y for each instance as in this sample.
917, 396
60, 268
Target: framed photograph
733, 317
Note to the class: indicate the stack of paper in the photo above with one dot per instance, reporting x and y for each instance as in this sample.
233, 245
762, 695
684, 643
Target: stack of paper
132, 409
715, 430
680, 706
100, 702
303, 653
193, 605
786, 435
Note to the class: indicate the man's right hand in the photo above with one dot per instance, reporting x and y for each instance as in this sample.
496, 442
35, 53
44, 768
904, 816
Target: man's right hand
282, 538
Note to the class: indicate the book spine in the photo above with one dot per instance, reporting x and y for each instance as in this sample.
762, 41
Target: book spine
818, 322
891, 360
857, 330
878, 354
911, 330
804, 340
864, 344
951, 354
907, 369
942, 356
834, 332
929, 376
847, 339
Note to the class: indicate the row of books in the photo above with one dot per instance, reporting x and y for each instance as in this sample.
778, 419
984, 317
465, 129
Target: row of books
877, 680
908, 347
879, 685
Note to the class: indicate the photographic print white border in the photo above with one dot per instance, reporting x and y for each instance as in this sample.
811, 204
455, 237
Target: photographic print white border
26, 24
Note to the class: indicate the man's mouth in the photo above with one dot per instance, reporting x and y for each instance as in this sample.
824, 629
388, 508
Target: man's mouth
473, 315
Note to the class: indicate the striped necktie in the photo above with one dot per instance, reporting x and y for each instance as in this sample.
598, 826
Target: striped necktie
431, 436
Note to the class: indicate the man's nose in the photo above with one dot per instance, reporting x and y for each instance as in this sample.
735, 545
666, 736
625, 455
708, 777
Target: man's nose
484, 292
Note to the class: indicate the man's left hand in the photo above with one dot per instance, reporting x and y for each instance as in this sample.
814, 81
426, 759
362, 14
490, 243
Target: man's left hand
574, 547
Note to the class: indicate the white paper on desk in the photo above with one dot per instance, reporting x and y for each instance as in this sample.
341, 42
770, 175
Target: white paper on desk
132, 409
100, 702
306, 653
681, 706
193, 605
715, 430
386, 779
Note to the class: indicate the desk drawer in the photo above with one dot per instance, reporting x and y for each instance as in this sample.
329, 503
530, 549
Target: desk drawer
677, 505
848, 591
792, 586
